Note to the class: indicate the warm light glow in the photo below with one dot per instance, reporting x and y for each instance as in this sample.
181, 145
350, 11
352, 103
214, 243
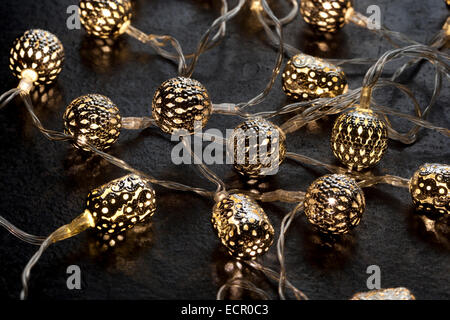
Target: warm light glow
334, 204
385, 294
258, 147
29, 74
359, 138
242, 226
105, 18
180, 104
325, 15
36, 57
93, 119
256, 5
121, 204
447, 27
124, 27
429, 188
306, 78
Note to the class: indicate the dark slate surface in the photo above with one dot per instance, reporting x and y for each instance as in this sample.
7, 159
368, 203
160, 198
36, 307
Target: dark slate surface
44, 184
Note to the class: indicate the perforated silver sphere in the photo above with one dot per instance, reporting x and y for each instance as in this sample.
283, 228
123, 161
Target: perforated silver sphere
242, 226
181, 104
334, 204
37, 55
105, 18
93, 119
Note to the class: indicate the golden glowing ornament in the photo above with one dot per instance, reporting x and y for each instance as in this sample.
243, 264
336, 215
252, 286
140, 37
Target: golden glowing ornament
111, 208
325, 15
430, 188
359, 138
258, 147
385, 294
181, 104
242, 226
120, 204
93, 119
105, 18
37, 56
334, 204
306, 78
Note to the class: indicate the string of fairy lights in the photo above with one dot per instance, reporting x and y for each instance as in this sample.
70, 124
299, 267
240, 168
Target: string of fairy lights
334, 203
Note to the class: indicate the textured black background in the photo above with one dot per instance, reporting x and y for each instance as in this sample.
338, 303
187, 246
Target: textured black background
44, 184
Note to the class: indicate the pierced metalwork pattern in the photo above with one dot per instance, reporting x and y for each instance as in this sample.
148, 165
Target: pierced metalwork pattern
181, 103
242, 226
334, 204
430, 188
306, 78
385, 294
121, 204
359, 139
258, 146
105, 18
40, 51
95, 119
325, 15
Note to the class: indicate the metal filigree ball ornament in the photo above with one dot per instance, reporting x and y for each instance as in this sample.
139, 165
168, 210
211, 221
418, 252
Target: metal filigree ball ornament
111, 209
242, 226
121, 204
334, 204
105, 18
258, 147
181, 104
385, 294
93, 119
359, 138
430, 188
325, 15
37, 56
306, 78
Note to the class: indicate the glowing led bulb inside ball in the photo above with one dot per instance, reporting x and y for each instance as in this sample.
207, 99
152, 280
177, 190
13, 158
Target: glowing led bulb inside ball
385, 294
37, 56
306, 78
430, 188
105, 18
334, 204
181, 104
258, 147
93, 119
121, 204
112, 209
325, 15
359, 138
242, 226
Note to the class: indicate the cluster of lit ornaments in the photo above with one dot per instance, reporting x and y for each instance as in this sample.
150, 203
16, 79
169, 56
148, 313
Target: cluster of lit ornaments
242, 226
